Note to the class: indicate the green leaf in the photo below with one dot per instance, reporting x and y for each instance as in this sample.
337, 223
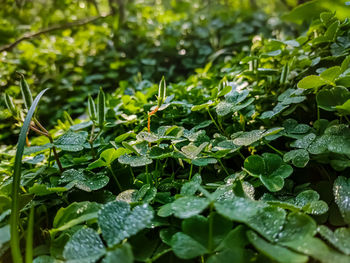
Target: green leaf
107, 157
330, 99
161, 92
42, 189
275, 252
204, 161
92, 108
4, 235
72, 141
191, 151
311, 82
147, 136
26, 93
121, 254
185, 207
118, 222
299, 157
341, 190
84, 246
203, 106
331, 74
83, 180
297, 227
255, 164
134, 161
186, 247
307, 201
74, 214
345, 107
340, 238
197, 228
268, 221
10, 105
270, 169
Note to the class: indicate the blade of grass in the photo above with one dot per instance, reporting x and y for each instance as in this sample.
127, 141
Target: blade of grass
29, 237
14, 219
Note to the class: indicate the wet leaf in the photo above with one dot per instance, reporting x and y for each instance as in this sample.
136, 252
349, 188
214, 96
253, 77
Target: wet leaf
186, 247
299, 157
118, 222
269, 168
341, 190
134, 161
74, 214
83, 180
121, 254
71, 141
84, 246
275, 252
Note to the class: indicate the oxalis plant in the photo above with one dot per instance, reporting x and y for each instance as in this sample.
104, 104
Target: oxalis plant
245, 161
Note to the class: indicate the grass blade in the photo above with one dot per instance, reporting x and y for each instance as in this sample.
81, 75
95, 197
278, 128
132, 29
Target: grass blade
14, 219
29, 237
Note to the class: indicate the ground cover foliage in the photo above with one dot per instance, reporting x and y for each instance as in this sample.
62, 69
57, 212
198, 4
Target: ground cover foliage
246, 160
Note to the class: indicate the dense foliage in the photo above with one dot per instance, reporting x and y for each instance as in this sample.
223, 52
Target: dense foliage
244, 159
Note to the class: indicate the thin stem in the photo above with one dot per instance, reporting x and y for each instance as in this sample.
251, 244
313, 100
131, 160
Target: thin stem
38, 131
91, 142
29, 238
160, 254
211, 220
132, 174
216, 125
56, 155
191, 168
273, 148
223, 167
49, 161
149, 118
40, 126
347, 119
115, 178
240, 154
318, 113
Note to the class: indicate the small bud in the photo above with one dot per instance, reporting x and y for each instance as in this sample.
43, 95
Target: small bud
101, 101
10, 105
161, 92
26, 94
92, 109
68, 118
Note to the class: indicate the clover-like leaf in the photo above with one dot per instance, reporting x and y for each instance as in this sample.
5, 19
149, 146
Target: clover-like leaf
84, 246
121, 254
340, 238
117, 221
134, 161
299, 157
71, 141
307, 201
311, 82
341, 190
186, 247
74, 214
274, 251
270, 169
329, 99
266, 220
184, 207
107, 157
83, 180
